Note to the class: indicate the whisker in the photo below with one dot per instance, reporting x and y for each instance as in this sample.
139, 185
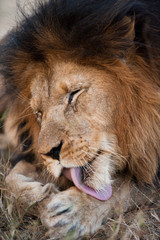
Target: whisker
119, 156
85, 168
88, 164
20, 95
26, 109
90, 154
93, 170
27, 115
90, 168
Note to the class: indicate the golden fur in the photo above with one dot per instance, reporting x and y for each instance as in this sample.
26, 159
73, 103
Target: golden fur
103, 111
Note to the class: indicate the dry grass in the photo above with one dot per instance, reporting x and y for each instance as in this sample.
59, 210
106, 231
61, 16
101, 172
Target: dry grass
15, 222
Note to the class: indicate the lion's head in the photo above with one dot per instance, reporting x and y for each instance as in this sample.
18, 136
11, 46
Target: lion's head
76, 111
88, 96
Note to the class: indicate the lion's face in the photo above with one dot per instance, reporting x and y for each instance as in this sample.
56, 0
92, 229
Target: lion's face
75, 110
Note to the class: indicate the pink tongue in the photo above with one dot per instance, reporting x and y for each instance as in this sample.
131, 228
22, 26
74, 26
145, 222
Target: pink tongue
74, 174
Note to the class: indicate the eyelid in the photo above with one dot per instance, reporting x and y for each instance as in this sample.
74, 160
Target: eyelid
71, 95
74, 95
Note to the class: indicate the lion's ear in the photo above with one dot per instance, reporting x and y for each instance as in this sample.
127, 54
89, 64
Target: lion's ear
129, 36
123, 33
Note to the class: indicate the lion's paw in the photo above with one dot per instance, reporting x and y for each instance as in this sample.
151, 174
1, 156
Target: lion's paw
68, 213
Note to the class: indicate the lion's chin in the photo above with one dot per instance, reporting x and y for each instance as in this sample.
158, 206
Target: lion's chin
75, 175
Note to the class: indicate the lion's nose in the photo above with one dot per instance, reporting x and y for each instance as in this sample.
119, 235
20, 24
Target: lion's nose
55, 151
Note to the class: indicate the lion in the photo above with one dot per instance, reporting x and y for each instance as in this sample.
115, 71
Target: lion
80, 82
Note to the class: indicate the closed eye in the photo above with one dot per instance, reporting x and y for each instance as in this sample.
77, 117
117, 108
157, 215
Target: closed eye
73, 95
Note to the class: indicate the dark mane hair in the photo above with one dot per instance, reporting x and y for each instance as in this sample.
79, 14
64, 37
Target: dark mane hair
99, 33
95, 28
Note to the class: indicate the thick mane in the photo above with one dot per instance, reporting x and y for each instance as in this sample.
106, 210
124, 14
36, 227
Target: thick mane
101, 29
122, 37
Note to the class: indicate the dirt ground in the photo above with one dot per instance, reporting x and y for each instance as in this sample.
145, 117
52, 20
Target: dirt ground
17, 224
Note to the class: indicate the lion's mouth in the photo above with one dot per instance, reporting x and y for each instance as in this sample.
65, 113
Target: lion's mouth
75, 174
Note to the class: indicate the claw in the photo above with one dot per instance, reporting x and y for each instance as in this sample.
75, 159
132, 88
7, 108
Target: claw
64, 211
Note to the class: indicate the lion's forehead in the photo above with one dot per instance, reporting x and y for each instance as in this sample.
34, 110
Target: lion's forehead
66, 78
